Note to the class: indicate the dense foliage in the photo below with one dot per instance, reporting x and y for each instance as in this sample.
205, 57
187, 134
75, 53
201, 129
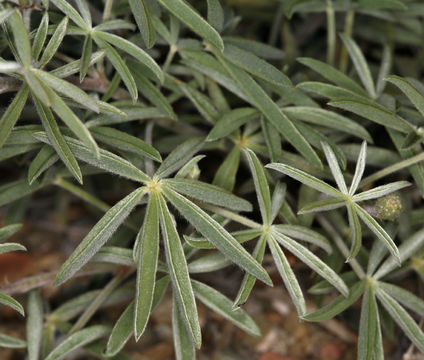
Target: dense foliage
227, 131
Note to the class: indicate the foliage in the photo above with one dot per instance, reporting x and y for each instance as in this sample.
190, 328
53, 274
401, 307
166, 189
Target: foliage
146, 96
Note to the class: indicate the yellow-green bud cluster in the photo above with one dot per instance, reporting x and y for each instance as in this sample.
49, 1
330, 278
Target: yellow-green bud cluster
389, 207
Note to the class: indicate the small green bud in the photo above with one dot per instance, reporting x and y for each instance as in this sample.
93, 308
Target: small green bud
389, 207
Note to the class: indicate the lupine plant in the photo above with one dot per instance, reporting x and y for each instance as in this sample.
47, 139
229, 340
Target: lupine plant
222, 132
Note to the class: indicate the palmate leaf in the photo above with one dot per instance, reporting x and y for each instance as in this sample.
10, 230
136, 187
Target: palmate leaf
78, 340
322, 205
98, 235
334, 167
405, 297
178, 271
69, 11
380, 191
271, 111
359, 170
147, 258
217, 235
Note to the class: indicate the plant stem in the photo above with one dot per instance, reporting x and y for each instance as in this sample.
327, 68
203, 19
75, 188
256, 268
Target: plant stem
331, 33
169, 57
349, 20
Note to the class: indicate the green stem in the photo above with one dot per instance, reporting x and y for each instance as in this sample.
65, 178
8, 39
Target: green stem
169, 57
350, 17
331, 33
391, 169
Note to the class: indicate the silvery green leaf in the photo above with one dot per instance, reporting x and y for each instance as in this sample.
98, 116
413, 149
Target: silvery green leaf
40, 36
185, 13
107, 161
11, 342
34, 324
225, 176
306, 179
217, 235
87, 50
255, 65
69, 11
260, 99
115, 255
334, 167
402, 318
287, 275
374, 112
409, 90
333, 75
132, 50
12, 113
305, 234
231, 121
98, 235
261, 185
8, 247
124, 327
123, 141
322, 205
338, 305
143, 18
359, 170
68, 89
380, 191
313, 261
360, 63
208, 193
54, 42
223, 306
57, 140
355, 231
8, 230
188, 167
4, 14
45, 158
332, 120
367, 326
147, 260
183, 345
178, 271
248, 280
381, 234
324, 287
84, 10
11, 302
21, 38
74, 66
78, 340
207, 263
215, 15
241, 236
277, 200
385, 67
178, 157
405, 297
9, 67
